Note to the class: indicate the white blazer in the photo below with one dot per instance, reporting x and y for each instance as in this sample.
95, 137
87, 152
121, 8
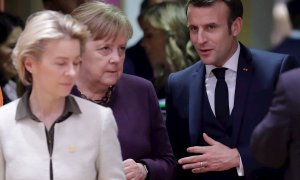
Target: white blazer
86, 146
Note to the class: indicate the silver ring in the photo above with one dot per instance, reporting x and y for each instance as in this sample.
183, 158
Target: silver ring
201, 164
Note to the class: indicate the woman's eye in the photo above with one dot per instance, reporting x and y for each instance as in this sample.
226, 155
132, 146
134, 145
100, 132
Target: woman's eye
77, 63
104, 50
123, 48
60, 63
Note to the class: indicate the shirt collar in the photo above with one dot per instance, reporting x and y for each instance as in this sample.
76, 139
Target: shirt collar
231, 64
24, 111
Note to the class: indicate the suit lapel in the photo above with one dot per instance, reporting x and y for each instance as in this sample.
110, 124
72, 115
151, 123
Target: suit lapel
195, 111
244, 77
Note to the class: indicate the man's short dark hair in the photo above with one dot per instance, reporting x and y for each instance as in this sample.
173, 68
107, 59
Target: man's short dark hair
235, 7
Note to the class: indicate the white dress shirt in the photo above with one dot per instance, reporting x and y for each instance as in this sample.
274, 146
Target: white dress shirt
230, 78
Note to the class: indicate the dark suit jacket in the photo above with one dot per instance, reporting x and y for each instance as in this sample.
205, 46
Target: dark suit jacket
276, 140
289, 46
257, 76
142, 132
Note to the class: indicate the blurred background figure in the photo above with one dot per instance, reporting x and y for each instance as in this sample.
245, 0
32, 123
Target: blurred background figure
145, 146
64, 6
281, 22
291, 44
137, 60
166, 41
10, 30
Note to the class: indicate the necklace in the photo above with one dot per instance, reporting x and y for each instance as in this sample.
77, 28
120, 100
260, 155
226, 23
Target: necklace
104, 100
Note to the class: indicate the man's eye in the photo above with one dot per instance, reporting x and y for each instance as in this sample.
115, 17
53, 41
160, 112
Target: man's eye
211, 27
193, 29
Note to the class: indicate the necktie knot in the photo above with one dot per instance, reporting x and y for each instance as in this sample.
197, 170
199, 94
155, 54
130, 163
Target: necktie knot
219, 72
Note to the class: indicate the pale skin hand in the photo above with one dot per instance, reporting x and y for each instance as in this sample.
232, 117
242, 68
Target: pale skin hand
215, 157
133, 170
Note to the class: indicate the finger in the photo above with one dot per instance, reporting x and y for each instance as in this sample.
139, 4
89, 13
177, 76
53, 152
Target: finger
201, 170
131, 163
191, 159
128, 169
130, 175
126, 165
195, 165
128, 161
197, 149
209, 140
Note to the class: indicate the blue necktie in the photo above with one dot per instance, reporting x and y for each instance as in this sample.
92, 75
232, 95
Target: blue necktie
221, 96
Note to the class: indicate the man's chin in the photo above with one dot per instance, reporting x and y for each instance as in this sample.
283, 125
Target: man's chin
207, 61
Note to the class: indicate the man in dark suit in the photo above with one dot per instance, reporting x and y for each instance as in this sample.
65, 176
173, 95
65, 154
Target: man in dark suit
214, 105
291, 44
275, 141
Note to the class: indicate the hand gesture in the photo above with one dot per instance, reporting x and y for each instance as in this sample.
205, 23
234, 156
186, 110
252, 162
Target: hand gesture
215, 157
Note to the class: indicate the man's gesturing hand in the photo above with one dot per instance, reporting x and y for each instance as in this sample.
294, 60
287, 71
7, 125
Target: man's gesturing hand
215, 157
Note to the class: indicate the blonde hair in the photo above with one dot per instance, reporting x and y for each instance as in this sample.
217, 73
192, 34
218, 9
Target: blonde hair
40, 28
170, 17
103, 20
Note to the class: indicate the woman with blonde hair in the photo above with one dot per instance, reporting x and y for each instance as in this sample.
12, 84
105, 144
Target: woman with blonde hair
48, 134
166, 41
142, 133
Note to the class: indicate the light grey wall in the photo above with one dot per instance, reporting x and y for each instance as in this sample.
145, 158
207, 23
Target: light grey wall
132, 10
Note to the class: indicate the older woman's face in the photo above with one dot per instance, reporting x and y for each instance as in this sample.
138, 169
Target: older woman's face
103, 60
55, 71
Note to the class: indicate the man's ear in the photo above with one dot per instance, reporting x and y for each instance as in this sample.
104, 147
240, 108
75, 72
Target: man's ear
236, 26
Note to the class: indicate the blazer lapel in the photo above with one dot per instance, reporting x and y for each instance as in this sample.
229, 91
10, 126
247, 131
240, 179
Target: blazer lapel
243, 82
195, 111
